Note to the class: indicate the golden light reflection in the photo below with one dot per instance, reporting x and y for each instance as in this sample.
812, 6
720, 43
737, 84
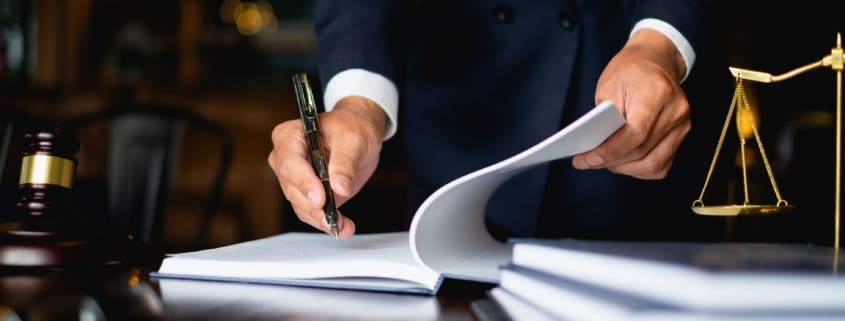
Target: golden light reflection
134, 278
743, 121
250, 17
747, 154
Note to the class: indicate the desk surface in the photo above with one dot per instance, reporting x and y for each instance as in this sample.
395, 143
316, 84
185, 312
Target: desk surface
128, 294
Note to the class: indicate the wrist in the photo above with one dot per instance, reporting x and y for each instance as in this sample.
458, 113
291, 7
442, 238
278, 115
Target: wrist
365, 84
661, 49
366, 110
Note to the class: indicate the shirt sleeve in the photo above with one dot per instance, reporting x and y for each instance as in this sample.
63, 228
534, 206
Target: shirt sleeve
678, 39
688, 24
361, 50
367, 84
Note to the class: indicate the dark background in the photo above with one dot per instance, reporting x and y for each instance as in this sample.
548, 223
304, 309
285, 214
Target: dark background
65, 58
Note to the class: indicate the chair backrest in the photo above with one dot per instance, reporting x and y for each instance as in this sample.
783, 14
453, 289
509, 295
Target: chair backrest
7, 127
143, 149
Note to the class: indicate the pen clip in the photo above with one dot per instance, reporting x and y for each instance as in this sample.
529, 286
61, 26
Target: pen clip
311, 125
305, 101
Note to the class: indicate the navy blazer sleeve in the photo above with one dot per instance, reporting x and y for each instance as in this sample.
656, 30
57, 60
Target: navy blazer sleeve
366, 34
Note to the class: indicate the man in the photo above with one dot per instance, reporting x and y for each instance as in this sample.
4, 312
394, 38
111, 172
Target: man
479, 81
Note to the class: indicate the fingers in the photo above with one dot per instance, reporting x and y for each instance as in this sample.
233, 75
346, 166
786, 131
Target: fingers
346, 227
656, 111
317, 219
352, 137
637, 140
300, 185
645, 146
657, 163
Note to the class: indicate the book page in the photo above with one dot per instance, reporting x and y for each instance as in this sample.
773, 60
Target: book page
448, 233
307, 256
192, 300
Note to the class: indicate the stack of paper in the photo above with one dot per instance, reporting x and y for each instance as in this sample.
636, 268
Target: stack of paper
608, 280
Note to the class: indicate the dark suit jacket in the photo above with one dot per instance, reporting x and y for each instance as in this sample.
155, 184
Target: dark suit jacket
482, 80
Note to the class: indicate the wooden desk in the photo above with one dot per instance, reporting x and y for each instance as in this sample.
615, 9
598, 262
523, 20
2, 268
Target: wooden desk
129, 294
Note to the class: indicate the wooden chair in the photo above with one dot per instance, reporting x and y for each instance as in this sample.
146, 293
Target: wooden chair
144, 144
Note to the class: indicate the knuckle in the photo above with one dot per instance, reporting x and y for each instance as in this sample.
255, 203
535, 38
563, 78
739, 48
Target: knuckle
638, 153
682, 113
278, 131
655, 169
302, 214
686, 127
271, 160
286, 191
652, 176
300, 183
639, 133
649, 167
644, 169
685, 108
284, 131
662, 88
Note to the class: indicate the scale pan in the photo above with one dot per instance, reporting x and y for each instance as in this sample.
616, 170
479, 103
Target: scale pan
735, 210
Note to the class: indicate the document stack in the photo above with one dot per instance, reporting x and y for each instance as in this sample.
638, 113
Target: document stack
613, 280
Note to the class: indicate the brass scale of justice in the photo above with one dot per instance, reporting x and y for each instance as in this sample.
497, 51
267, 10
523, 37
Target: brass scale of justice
740, 102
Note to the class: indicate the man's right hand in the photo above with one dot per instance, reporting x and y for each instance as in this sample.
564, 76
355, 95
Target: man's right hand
352, 134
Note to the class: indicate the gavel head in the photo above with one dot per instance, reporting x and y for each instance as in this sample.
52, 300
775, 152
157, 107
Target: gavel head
47, 173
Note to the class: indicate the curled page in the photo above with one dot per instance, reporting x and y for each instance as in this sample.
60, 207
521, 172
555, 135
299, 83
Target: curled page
448, 234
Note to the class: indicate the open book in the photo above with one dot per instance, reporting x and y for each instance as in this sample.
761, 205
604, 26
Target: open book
447, 237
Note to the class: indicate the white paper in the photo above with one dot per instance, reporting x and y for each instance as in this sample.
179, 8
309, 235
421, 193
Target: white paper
792, 282
448, 233
567, 300
517, 309
192, 300
309, 259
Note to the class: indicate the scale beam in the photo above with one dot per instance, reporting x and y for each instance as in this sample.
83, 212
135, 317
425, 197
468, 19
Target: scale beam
834, 60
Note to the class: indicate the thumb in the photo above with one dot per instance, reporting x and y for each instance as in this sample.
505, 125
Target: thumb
350, 167
342, 172
354, 135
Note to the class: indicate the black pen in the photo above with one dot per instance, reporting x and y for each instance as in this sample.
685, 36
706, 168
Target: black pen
308, 113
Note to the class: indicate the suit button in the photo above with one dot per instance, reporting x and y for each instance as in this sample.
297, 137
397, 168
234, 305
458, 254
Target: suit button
566, 21
503, 13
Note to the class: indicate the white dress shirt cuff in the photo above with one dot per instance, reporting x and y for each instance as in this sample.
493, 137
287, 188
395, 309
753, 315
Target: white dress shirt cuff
674, 35
367, 84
